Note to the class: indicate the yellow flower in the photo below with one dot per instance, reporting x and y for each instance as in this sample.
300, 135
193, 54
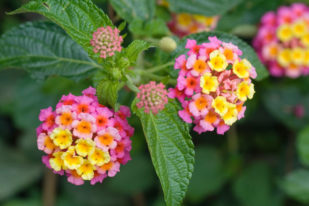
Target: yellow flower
299, 28
56, 162
242, 68
84, 147
245, 90
297, 56
306, 57
305, 39
71, 160
231, 115
86, 170
184, 19
99, 157
285, 33
209, 20
61, 137
220, 105
217, 61
208, 83
284, 57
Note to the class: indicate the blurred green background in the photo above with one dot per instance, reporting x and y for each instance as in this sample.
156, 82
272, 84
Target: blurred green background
256, 164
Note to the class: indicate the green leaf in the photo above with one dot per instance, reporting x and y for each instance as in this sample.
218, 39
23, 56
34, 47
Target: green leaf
208, 176
203, 7
296, 185
107, 92
254, 187
155, 27
133, 50
134, 9
303, 146
79, 18
171, 150
43, 49
247, 50
16, 172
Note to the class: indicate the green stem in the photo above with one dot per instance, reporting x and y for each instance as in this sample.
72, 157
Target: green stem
160, 67
156, 77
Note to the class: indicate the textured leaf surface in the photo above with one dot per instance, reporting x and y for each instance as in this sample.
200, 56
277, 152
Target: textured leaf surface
107, 91
296, 185
247, 50
134, 9
136, 47
79, 18
171, 150
204, 7
43, 49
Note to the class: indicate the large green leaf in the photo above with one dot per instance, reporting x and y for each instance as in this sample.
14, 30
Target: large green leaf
204, 7
296, 185
171, 150
79, 18
16, 172
134, 9
247, 50
43, 49
209, 174
303, 146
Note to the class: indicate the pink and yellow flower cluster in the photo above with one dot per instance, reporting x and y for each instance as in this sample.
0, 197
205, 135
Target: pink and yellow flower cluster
213, 84
84, 139
282, 41
184, 24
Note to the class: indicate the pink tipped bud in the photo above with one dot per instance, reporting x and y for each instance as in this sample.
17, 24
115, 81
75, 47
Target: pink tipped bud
152, 97
106, 41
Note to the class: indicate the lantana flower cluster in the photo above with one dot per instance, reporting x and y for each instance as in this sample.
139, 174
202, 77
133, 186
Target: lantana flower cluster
184, 24
152, 97
282, 41
84, 139
106, 41
213, 84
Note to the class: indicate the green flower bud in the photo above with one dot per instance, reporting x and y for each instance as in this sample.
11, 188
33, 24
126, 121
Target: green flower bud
167, 44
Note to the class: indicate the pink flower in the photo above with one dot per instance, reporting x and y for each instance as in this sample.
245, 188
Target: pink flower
85, 127
98, 178
152, 97
102, 118
48, 117
106, 41
74, 178
110, 168
107, 138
